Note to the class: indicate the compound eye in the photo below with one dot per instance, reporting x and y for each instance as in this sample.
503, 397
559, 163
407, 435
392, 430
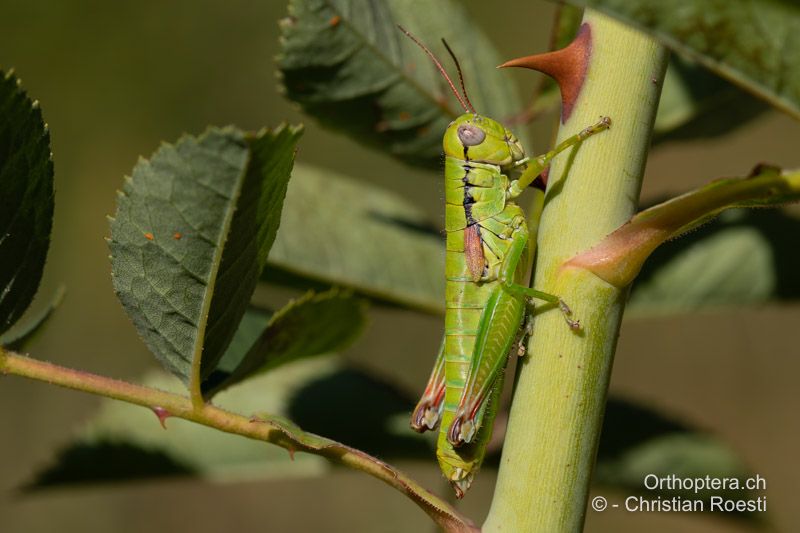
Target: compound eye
470, 135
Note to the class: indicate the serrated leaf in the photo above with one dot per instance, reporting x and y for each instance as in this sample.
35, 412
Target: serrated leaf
347, 64
637, 442
697, 103
342, 232
193, 229
744, 257
313, 324
25, 331
756, 45
26, 199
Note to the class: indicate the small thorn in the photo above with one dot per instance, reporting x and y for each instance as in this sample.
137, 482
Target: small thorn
162, 415
291, 452
567, 67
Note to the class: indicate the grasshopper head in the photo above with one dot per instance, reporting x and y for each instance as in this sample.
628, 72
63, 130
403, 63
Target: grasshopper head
476, 138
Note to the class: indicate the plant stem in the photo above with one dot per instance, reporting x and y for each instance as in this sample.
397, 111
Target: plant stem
556, 417
283, 434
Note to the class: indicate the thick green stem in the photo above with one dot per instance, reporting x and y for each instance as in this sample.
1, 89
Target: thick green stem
286, 435
560, 395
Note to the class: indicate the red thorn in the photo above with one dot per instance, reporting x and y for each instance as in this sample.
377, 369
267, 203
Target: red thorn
566, 66
291, 453
162, 415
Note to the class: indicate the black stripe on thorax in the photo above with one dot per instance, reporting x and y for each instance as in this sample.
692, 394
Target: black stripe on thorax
468, 199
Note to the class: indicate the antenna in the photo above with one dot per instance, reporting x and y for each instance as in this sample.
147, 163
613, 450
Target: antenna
460, 75
439, 66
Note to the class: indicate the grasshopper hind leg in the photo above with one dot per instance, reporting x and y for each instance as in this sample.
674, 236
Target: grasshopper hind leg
462, 430
428, 413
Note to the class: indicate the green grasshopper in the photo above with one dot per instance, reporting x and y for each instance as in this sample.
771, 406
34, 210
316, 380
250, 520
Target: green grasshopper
489, 249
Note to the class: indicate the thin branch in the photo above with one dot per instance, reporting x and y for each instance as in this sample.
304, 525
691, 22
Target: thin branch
280, 433
618, 258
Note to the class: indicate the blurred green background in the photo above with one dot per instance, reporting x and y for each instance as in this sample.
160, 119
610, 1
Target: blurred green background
116, 78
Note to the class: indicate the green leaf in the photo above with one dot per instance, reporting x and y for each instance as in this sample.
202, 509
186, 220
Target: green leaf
756, 45
637, 442
347, 64
317, 393
26, 199
25, 331
342, 232
744, 257
193, 229
313, 324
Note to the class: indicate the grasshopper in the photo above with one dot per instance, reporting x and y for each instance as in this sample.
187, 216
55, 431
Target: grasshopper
489, 250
